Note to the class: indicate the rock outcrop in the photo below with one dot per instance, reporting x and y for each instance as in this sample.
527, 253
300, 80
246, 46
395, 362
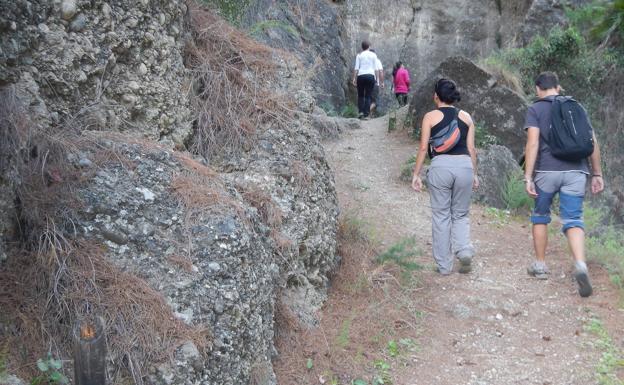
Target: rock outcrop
222, 245
496, 165
419, 33
312, 31
496, 108
108, 65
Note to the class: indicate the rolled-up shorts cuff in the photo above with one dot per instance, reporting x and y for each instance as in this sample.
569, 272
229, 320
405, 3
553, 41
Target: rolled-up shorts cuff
540, 219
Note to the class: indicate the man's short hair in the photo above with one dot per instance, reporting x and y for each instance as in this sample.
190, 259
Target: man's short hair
365, 45
547, 80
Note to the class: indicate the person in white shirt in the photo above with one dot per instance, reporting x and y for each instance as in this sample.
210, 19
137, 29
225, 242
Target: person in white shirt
379, 83
364, 74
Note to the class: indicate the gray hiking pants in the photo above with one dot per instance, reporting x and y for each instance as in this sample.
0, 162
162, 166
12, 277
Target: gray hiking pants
449, 179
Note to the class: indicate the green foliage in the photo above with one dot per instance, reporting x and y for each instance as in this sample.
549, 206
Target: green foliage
329, 109
309, 364
231, 10
359, 381
349, 111
603, 20
393, 348
483, 138
383, 373
612, 358
581, 69
514, 193
402, 254
407, 170
265, 25
343, 337
50, 369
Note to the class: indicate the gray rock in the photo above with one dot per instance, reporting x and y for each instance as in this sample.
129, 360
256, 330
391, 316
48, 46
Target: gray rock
79, 23
496, 108
331, 127
115, 237
496, 164
68, 9
102, 61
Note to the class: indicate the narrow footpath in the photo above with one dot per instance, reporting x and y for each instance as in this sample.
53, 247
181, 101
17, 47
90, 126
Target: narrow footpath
494, 326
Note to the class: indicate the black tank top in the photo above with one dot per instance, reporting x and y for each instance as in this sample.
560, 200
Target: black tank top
461, 148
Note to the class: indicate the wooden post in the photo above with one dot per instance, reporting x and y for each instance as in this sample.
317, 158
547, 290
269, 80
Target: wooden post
392, 120
89, 353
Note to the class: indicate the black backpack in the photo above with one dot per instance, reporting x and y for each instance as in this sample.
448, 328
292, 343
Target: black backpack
571, 135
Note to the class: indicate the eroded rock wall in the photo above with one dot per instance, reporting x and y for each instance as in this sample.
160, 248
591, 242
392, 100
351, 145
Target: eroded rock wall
111, 65
223, 244
420, 33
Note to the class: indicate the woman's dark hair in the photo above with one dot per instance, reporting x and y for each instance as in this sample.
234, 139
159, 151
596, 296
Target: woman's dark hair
365, 45
397, 65
446, 90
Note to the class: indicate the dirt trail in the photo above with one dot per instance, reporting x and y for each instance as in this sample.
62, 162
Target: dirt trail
493, 326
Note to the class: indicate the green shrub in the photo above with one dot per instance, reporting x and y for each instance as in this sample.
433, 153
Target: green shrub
483, 138
329, 109
231, 10
581, 68
349, 111
407, 170
514, 193
402, 254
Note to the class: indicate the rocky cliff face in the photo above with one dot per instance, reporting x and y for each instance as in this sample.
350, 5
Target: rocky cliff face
420, 33
222, 245
114, 65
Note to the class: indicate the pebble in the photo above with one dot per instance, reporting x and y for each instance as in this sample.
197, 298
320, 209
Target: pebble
79, 23
147, 194
142, 69
129, 99
499, 316
85, 162
68, 9
134, 86
106, 10
214, 266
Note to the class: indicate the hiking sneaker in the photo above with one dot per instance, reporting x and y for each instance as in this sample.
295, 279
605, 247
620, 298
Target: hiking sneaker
465, 263
443, 272
582, 278
538, 270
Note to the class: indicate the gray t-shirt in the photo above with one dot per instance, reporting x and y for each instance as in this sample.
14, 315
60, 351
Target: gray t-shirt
538, 115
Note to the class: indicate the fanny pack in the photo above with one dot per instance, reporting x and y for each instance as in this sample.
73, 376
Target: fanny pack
447, 137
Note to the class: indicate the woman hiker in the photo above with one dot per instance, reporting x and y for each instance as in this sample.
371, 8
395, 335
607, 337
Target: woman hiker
364, 78
401, 81
450, 179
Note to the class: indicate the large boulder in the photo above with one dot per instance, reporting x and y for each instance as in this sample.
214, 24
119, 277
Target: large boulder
496, 165
221, 245
496, 108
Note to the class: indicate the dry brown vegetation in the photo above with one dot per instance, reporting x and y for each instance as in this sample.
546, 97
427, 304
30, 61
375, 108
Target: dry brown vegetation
51, 279
347, 346
46, 298
234, 89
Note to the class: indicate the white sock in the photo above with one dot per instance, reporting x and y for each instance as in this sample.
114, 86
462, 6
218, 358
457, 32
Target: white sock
581, 266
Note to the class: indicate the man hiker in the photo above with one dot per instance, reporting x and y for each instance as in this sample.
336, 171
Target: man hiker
364, 78
379, 83
551, 169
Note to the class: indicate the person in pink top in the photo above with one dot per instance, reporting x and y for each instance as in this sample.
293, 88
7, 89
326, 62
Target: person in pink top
401, 79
